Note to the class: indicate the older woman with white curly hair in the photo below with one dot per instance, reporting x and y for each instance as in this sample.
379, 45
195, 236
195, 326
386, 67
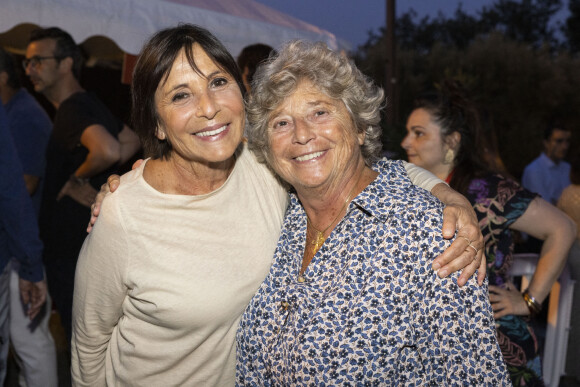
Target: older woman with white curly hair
351, 296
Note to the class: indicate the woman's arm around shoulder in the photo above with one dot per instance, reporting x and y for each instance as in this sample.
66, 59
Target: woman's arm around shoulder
111, 185
458, 215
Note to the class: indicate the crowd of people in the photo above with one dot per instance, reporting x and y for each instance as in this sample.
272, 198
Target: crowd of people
264, 240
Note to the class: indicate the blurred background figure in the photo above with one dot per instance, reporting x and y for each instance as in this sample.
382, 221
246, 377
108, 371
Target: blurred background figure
549, 174
86, 145
569, 202
249, 60
443, 136
30, 128
18, 238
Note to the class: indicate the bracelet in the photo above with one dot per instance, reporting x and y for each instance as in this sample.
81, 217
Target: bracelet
533, 305
78, 180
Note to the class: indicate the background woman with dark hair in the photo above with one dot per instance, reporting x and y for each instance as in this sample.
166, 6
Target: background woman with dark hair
444, 136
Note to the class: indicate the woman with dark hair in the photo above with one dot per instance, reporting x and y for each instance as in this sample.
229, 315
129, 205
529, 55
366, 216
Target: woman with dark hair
185, 241
444, 136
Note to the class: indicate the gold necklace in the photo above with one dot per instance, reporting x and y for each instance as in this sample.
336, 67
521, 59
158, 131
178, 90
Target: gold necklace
319, 240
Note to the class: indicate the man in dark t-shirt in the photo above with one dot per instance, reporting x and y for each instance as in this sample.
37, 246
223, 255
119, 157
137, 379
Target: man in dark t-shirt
86, 145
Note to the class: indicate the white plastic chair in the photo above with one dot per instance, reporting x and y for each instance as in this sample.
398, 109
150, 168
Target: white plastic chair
559, 310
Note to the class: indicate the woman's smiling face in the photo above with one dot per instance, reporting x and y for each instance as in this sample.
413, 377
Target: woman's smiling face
424, 145
312, 139
200, 114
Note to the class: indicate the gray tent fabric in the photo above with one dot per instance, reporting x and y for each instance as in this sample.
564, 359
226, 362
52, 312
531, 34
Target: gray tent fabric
129, 23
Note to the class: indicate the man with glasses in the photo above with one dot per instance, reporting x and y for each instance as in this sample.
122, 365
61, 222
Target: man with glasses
85, 147
549, 174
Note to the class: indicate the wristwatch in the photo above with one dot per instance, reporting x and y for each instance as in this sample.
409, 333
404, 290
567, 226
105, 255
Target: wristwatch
79, 180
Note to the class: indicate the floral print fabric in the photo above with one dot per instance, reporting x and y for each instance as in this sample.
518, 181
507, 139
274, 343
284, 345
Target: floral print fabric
371, 310
499, 202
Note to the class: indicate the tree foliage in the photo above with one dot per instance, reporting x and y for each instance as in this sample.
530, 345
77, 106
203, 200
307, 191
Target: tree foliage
508, 57
523, 21
572, 27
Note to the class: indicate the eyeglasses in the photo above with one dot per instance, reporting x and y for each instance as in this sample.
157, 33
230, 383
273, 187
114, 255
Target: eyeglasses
36, 60
561, 140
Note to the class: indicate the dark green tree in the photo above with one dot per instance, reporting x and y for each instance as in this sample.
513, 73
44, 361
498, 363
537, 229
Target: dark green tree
518, 75
572, 27
525, 21
457, 31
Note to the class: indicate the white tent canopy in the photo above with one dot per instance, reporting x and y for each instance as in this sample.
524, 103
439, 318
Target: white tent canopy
129, 23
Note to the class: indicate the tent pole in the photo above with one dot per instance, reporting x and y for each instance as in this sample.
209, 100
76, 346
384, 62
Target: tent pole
390, 75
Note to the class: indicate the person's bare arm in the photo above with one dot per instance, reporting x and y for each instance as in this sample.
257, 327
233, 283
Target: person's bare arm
33, 295
104, 151
130, 144
459, 215
31, 183
543, 221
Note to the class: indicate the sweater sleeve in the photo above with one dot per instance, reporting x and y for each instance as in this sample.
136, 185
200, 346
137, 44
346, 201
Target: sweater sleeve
421, 177
100, 289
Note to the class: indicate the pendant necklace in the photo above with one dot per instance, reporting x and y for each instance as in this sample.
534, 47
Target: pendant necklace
320, 238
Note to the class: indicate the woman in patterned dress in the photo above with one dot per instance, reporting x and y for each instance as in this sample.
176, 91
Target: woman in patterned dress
351, 297
444, 136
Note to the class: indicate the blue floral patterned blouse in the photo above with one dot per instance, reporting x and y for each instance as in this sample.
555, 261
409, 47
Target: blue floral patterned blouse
371, 310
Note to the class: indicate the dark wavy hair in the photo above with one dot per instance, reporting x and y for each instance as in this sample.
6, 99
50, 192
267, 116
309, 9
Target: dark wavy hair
453, 111
251, 56
554, 125
153, 67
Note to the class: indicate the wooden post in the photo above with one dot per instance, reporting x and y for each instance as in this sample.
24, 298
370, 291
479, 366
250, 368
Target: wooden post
391, 76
